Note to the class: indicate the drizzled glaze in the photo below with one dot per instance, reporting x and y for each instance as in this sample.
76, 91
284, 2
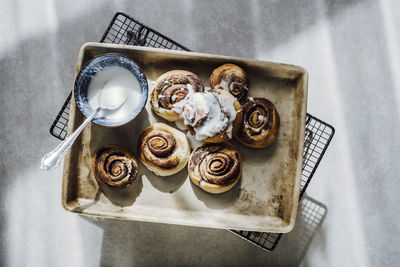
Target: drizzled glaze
207, 113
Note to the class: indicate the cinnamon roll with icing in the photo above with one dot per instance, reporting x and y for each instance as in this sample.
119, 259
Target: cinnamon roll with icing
163, 149
115, 166
231, 78
172, 87
260, 124
211, 117
215, 168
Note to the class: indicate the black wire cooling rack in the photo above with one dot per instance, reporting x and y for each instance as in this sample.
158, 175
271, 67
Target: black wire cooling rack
317, 138
124, 29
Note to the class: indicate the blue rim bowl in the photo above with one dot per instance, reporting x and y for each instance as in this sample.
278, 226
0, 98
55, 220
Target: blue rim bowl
90, 69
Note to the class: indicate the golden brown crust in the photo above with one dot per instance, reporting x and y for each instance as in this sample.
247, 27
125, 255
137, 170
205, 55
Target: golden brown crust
260, 124
163, 149
170, 88
115, 166
215, 168
232, 79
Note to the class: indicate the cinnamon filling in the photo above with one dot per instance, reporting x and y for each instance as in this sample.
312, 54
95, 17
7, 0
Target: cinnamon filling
260, 121
158, 148
172, 95
217, 164
257, 119
114, 168
160, 143
174, 87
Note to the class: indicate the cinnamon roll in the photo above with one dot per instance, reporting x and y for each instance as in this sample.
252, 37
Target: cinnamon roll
163, 149
115, 166
260, 123
172, 87
231, 78
215, 168
211, 117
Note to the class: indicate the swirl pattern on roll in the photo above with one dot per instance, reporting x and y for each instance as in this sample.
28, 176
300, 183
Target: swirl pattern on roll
158, 148
231, 78
218, 164
260, 123
115, 166
172, 87
163, 149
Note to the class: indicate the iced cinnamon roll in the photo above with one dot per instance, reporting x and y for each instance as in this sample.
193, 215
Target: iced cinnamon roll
260, 124
163, 149
210, 117
172, 87
232, 79
115, 166
215, 168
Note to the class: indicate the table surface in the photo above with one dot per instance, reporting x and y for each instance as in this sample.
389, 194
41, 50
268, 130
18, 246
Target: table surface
351, 51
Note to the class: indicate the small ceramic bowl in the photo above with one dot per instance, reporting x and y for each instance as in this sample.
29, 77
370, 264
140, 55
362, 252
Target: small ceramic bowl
94, 66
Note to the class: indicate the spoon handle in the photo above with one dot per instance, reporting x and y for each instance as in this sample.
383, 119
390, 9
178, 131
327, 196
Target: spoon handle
54, 157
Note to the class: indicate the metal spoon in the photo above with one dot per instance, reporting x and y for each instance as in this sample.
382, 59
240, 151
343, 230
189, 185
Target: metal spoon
110, 98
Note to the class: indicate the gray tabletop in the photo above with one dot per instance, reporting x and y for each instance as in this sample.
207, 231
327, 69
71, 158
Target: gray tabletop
351, 51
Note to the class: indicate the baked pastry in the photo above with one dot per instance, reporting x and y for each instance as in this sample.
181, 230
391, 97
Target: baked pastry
115, 166
170, 88
232, 79
260, 123
163, 149
211, 117
215, 168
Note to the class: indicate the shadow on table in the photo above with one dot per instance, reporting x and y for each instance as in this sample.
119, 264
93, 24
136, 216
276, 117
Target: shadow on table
294, 244
127, 242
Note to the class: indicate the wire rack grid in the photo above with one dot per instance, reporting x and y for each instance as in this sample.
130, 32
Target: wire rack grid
318, 135
124, 29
